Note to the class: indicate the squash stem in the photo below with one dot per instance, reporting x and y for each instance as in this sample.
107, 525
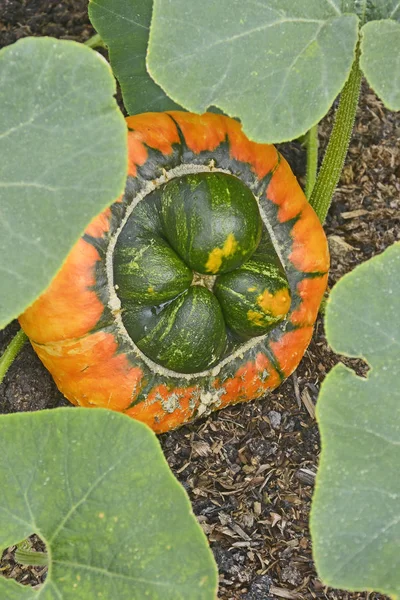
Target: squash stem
95, 42
32, 558
338, 145
11, 352
311, 143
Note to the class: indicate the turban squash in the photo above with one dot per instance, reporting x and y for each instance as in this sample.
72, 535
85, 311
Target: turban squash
197, 289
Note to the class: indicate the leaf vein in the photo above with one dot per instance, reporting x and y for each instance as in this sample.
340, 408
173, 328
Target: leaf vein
233, 38
86, 495
349, 559
112, 574
359, 428
118, 15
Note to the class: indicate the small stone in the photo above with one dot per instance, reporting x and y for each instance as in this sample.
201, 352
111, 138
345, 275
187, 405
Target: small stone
259, 588
275, 419
224, 559
261, 449
291, 575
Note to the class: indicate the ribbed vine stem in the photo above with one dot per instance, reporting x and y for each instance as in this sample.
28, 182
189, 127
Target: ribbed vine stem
29, 557
336, 151
95, 42
312, 159
11, 352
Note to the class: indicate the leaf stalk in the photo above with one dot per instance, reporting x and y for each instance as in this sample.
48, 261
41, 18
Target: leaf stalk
311, 143
32, 558
332, 165
95, 42
11, 352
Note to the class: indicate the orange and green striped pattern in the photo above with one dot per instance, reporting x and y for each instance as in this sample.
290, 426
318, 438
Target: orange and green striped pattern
76, 326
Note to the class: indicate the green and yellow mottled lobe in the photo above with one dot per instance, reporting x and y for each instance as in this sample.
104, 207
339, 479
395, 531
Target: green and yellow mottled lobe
255, 297
211, 220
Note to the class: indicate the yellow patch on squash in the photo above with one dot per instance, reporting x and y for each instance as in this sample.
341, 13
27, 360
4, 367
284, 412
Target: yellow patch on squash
256, 318
277, 304
215, 257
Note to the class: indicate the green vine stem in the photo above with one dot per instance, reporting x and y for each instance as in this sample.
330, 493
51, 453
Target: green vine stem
311, 143
32, 558
95, 42
11, 352
338, 145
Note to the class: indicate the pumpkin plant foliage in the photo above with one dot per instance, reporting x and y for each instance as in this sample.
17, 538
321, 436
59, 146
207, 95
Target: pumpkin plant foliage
291, 58
380, 66
94, 485
63, 159
355, 518
124, 27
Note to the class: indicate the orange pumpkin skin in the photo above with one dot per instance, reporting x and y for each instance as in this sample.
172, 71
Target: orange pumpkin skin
77, 331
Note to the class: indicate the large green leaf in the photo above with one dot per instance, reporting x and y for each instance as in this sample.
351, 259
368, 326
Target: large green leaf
355, 519
94, 485
63, 159
380, 52
276, 64
124, 27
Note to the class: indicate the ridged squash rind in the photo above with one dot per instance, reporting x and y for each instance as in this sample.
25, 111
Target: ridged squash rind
76, 326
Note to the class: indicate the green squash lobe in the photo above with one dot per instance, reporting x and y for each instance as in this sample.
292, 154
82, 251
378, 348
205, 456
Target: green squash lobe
149, 271
188, 335
211, 220
256, 296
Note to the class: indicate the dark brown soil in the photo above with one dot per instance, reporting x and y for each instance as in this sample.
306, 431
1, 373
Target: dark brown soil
67, 20
249, 470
